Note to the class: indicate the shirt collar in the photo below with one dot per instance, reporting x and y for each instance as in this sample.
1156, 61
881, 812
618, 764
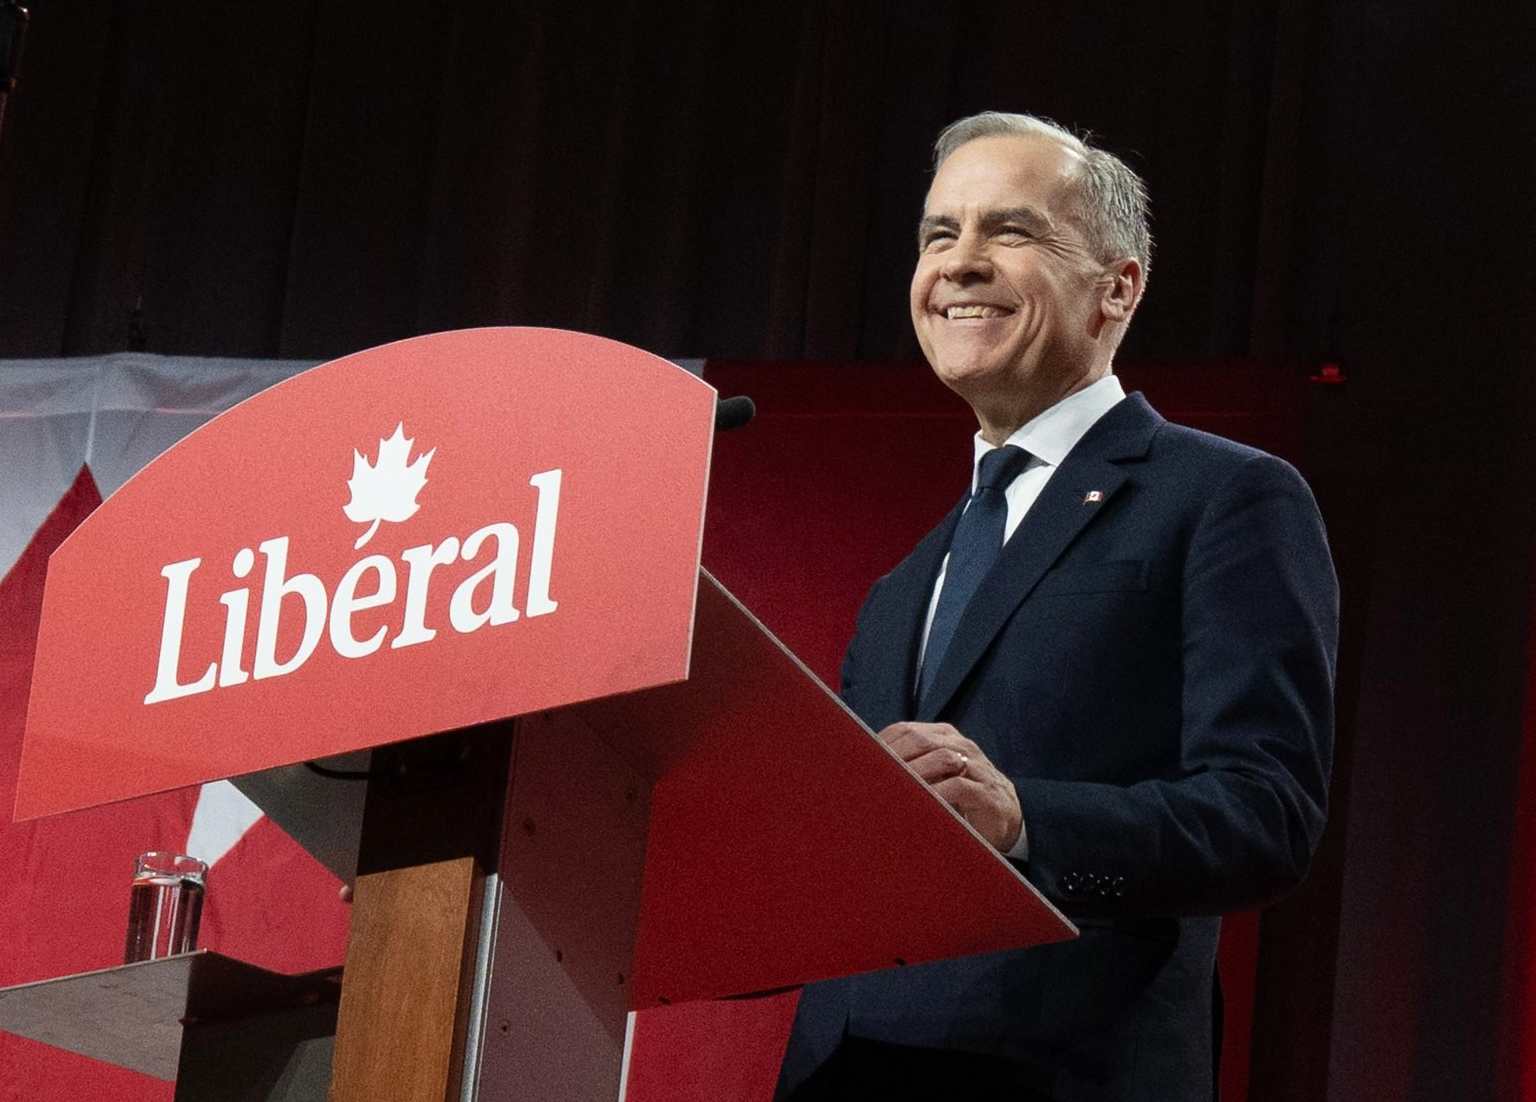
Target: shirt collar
1054, 432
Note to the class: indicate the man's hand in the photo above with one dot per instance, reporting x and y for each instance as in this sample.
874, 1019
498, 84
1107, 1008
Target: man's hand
955, 768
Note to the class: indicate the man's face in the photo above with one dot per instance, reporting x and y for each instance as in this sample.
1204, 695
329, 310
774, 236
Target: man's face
1006, 298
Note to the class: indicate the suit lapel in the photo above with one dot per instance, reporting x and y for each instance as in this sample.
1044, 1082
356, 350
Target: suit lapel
901, 625
1078, 492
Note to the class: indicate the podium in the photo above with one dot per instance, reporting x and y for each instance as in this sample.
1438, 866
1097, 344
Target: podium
597, 784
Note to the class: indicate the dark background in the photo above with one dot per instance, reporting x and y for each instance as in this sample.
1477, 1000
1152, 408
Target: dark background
1348, 182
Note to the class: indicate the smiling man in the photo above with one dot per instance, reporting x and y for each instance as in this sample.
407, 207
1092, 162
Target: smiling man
1114, 658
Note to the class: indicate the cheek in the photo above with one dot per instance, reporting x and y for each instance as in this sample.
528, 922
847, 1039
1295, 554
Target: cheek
917, 303
917, 293
1039, 304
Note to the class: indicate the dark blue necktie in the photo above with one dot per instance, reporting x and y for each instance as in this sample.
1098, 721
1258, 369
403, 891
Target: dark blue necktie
977, 540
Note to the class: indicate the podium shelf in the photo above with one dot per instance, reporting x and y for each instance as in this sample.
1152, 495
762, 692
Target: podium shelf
132, 1015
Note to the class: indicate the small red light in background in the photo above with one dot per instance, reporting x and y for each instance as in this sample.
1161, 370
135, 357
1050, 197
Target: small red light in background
1329, 375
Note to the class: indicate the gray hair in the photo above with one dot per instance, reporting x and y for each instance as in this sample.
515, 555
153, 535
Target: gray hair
1112, 199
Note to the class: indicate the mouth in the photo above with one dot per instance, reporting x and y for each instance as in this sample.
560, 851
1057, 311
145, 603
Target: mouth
982, 310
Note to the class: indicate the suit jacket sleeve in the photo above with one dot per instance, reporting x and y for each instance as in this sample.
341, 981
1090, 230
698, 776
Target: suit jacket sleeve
1234, 821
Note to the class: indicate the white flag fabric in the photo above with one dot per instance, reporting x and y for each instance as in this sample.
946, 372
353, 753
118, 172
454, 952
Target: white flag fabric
111, 413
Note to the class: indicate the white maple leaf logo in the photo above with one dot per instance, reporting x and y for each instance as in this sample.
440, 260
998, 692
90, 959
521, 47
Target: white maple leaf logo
386, 489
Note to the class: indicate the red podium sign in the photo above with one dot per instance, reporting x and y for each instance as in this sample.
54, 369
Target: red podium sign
417, 538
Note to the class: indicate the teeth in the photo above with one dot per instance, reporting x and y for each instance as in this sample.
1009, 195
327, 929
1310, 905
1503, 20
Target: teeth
973, 312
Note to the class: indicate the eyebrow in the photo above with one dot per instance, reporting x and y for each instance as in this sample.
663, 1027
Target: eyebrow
1029, 217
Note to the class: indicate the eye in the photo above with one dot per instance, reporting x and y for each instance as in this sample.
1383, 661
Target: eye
1013, 233
932, 239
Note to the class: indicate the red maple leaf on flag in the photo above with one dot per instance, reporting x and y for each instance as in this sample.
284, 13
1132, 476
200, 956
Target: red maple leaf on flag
386, 489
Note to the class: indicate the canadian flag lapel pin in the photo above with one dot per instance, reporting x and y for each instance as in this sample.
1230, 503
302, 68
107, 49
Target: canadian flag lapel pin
1093, 497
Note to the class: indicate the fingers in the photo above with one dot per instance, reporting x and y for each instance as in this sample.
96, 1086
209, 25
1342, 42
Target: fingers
935, 751
911, 741
991, 806
941, 764
961, 775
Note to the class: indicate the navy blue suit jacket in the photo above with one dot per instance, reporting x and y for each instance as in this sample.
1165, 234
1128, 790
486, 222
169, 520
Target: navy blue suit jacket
1151, 662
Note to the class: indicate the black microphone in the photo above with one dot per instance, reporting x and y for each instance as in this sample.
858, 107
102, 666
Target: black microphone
732, 413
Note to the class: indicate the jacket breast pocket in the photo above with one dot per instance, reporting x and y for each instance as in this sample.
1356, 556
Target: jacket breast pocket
1119, 576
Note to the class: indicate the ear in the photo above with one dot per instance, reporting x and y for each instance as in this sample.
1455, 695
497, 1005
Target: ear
1122, 290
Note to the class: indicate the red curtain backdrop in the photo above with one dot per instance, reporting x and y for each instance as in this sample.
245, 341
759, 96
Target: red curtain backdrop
845, 466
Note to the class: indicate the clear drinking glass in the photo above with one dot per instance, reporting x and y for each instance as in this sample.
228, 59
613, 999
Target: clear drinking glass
165, 905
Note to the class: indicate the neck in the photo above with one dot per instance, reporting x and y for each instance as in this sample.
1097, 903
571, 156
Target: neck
998, 421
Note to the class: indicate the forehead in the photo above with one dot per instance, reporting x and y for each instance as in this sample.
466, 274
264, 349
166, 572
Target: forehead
1006, 170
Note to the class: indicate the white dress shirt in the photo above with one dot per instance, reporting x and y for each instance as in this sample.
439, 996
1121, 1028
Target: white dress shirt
1048, 437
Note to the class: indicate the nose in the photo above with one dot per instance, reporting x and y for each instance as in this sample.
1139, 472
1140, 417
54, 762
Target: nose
966, 260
